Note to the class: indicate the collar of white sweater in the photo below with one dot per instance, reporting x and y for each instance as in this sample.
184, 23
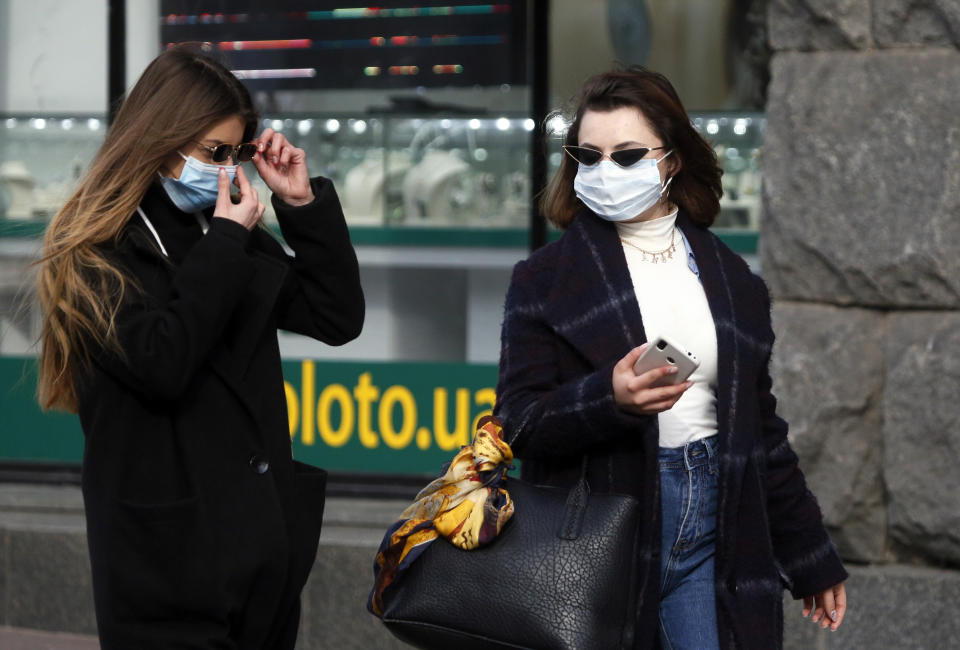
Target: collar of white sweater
653, 235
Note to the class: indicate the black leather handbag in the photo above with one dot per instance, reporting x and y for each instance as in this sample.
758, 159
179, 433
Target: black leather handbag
559, 576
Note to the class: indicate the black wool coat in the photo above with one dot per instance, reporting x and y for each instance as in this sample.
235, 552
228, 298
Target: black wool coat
202, 528
571, 313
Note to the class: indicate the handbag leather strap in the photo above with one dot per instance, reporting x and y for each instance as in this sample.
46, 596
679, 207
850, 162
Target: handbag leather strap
576, 506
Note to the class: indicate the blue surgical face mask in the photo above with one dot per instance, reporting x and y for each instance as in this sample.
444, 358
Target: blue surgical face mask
197, 186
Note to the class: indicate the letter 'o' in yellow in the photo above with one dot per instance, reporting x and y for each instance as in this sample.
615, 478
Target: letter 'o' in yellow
391, 437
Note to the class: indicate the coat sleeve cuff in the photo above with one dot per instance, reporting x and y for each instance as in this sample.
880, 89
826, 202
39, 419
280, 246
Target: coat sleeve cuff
230, 229
610, 418
322, 188
815, 571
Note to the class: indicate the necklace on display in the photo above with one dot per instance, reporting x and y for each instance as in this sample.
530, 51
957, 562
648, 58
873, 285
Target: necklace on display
664, 255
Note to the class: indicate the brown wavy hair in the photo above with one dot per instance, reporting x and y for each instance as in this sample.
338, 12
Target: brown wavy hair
180, 95
695, 187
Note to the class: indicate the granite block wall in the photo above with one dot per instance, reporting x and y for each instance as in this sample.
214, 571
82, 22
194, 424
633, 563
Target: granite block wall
860, 244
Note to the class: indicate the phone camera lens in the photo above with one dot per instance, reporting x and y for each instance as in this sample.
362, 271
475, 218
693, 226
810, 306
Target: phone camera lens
661, 344
670, 359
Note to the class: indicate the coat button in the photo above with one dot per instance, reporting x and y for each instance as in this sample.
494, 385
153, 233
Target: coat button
259, 463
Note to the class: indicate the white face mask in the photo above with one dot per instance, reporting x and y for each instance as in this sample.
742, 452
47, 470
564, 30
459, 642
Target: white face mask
618, 194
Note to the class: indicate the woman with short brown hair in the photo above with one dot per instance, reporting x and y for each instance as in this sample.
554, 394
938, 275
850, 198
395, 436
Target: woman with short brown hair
730, 520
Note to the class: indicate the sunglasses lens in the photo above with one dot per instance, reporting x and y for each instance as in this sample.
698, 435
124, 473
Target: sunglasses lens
584, 156
629, 157
221, 152
246, 151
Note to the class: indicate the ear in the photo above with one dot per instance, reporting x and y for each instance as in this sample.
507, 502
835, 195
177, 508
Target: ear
674, 164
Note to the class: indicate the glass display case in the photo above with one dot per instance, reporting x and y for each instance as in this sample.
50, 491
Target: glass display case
397, 171
41, 159
402, 178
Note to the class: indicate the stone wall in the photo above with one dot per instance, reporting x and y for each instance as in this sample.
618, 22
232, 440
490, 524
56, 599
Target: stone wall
860, 245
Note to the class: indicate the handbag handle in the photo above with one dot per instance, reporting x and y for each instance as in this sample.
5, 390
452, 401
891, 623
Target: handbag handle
576, 505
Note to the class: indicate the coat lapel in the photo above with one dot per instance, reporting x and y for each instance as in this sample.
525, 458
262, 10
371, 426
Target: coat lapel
594, 277
231, 358
734, 449
719, 298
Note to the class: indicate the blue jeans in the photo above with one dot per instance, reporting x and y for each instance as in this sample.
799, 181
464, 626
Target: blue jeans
688, 499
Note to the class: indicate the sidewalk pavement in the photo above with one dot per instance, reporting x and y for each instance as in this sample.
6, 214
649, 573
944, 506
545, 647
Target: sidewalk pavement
18, 638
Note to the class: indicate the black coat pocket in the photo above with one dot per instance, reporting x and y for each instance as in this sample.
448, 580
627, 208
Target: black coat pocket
311, 483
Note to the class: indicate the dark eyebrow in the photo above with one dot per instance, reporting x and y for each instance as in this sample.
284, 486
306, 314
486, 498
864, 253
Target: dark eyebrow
630, 144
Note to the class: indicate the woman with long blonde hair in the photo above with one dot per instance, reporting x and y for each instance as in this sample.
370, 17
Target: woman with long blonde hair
161, 300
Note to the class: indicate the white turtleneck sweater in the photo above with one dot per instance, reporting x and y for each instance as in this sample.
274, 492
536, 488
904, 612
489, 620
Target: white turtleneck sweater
672, 303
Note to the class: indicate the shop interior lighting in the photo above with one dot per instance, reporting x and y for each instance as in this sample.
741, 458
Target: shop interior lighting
304, 126
38, 123
359, 127
11, 122
205, 19
713, 127
556, 125
406, 12
279, 73
283, 44
503, 124
353, 43
445, 123
480, 154
529, 124
332, 125
740, 126
67, 124
372, 71
276, 125
93, 124
474, 124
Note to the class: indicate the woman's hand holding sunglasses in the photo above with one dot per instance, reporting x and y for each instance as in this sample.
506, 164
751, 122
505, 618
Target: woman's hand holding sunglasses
248, 210
283, 168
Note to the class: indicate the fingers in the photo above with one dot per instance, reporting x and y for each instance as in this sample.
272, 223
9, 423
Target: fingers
263, 140
840, 605
222, 207
627, 362
807, 605
829, 606
650, 377
243, 183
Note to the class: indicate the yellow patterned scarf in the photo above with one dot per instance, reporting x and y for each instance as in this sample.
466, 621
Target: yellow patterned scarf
467, 505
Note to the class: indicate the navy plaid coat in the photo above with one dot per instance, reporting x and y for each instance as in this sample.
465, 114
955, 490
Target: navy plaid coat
571, 313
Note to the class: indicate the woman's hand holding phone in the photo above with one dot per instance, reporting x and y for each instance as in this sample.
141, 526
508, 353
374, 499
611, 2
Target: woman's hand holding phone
248, 210
634, 393
283, 168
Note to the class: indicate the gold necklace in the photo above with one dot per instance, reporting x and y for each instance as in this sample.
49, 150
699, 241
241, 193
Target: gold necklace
666, 253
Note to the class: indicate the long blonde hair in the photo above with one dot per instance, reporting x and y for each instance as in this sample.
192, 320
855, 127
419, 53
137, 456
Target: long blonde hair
180, 95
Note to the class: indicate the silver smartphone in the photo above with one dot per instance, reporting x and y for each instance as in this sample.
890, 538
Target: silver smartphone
664, 352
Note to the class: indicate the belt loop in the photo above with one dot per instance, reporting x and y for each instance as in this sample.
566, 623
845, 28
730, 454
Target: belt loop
710, 443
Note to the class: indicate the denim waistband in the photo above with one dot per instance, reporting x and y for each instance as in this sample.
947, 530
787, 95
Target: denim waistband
693, 454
